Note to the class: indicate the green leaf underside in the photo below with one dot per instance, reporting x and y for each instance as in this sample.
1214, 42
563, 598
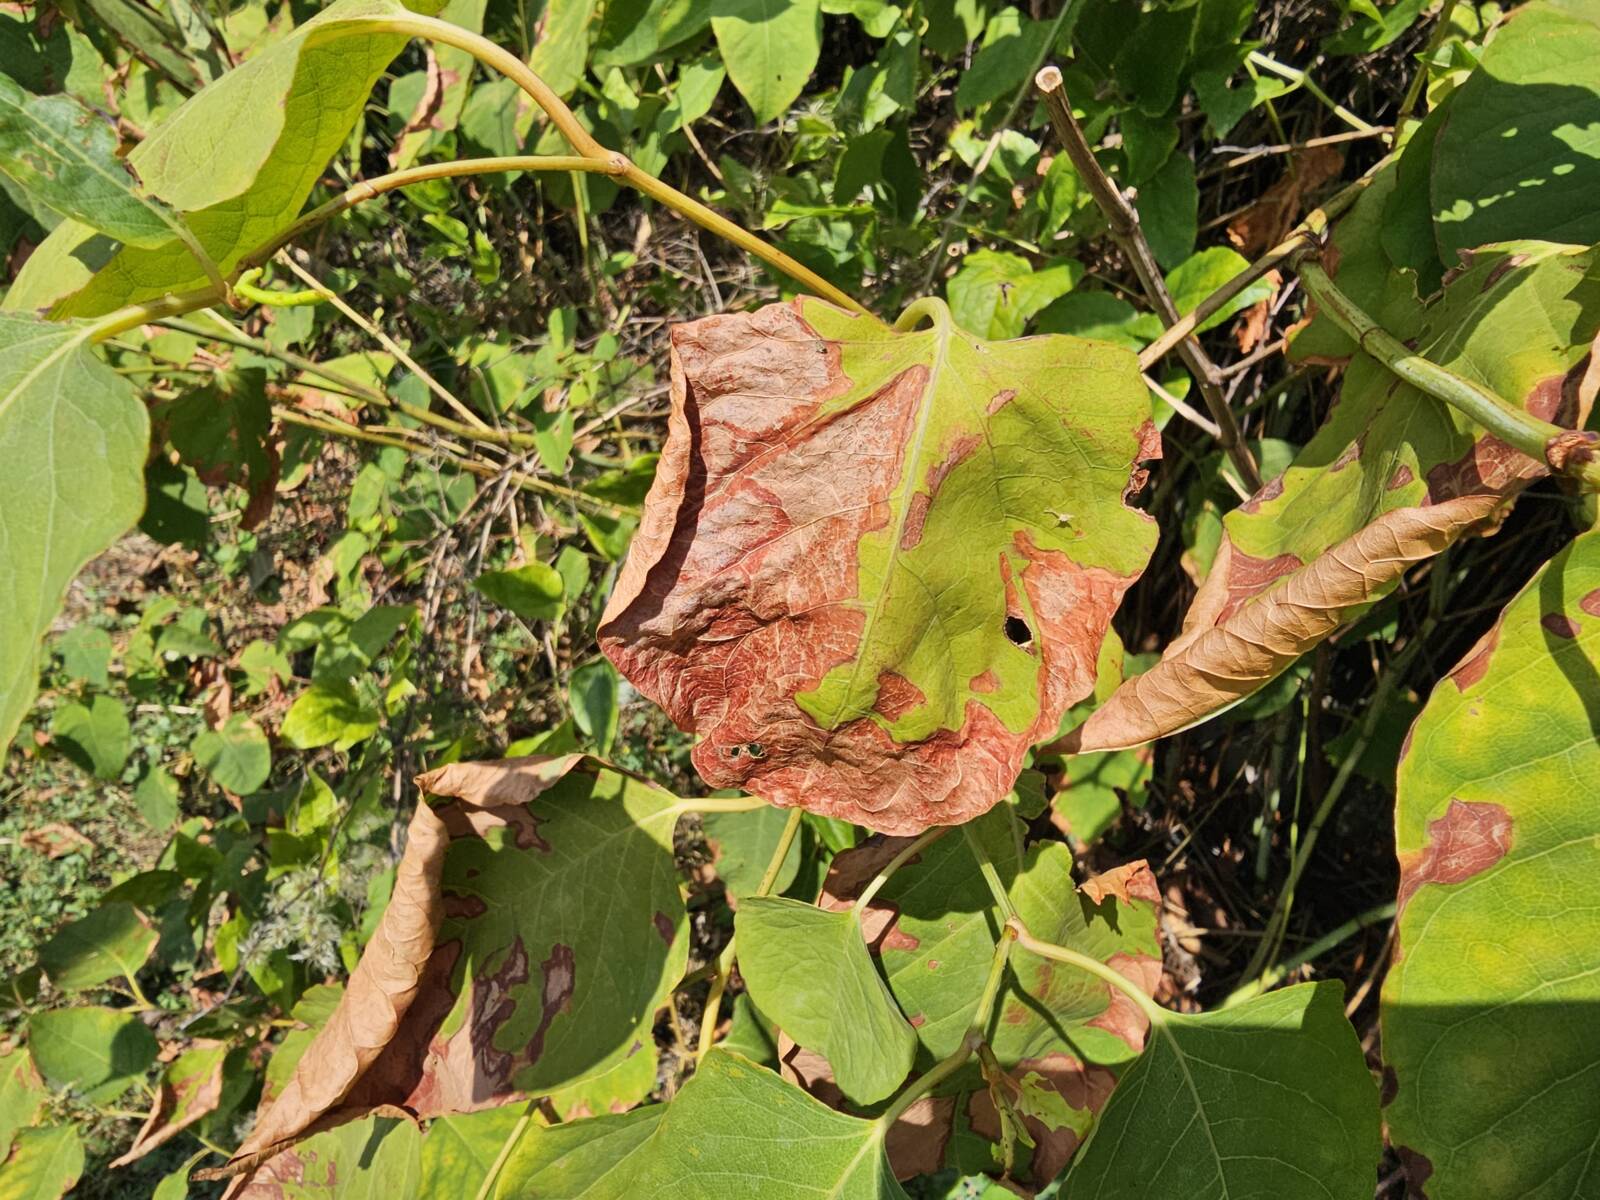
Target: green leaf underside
377, 1158
238, 159
972, 482
742, 844
96, 1051
73, 436
66, 158
1272, 1098
736, 1132
1488, 1009
111, 942
809, 971
1516, 321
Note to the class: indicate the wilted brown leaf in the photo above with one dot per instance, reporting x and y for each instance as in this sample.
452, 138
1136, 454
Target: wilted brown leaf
877, 565
1214, 665
55, 840
190, 1088
1268, 221
479, 986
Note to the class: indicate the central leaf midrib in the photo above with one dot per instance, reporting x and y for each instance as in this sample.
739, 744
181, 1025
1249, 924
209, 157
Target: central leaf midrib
942, 334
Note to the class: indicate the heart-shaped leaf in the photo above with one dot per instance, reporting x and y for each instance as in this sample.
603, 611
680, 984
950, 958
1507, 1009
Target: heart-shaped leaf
876, 566
809, 971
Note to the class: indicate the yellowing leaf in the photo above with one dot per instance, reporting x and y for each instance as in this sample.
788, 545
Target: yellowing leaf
1486, 1007
876, 566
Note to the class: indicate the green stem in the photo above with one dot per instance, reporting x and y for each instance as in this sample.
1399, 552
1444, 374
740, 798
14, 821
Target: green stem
1441, 27
612, 162
970, 1042
1515, 426
370, 189
1302, 79
151, 311
909, 851
719, 980
245, 287
1271, 979
724, 804
986, 868
486, 1189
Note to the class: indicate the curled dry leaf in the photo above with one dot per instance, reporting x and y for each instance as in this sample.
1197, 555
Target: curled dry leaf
1393, 477
190, 1089
1210, 669
877, 565
480, 984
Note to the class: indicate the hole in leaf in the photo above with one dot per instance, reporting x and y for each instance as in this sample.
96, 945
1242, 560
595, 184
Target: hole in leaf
755, 750
1017, 632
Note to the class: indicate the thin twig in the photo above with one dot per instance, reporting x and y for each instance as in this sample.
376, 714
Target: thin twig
1303, 236
1124, 224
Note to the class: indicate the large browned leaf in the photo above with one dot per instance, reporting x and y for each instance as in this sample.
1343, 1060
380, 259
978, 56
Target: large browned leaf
1393, 476
493, 973
877, 566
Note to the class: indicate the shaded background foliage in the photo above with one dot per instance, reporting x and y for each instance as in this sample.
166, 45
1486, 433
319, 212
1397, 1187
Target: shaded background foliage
234, 701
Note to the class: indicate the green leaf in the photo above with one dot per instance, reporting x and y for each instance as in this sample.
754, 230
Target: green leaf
1516, 155
73, 436
973, 488
65, 157
280, 115
1194, 279
1485, 1008
635, 31
157, 798
1089, 801
534, 591
97, 1051
236, 756
86, 654
221, 431
377, 1158
519, 991
809, 971
460, 1150
932, 930
112, 942
733, 1122
96, 737
994, 294
563, 44
1012, 47
330, 713
593, 693
45, 1163
22, 1097
1169, 203
770, 48
743, 843
1272, 1098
